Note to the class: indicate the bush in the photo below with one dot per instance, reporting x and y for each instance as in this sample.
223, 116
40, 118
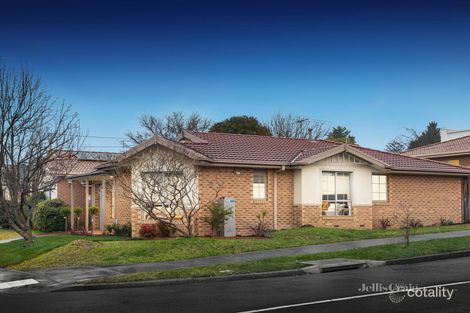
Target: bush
445, 222
261, 228
148, 231
119, 230
164, 229
3, 219
385, 222
414, 223
48, 215
218, 214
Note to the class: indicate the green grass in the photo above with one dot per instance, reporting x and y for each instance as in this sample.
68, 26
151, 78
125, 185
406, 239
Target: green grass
17, 251
7, 234
386, 252
140, 251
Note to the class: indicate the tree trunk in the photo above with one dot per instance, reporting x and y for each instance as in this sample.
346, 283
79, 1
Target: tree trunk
27, 235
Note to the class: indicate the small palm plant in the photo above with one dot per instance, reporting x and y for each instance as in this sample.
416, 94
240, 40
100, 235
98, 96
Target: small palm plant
78, 212
93, 211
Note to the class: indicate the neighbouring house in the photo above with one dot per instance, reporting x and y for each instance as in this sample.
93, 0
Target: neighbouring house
73, 192
454, 151
298, 181
449, 134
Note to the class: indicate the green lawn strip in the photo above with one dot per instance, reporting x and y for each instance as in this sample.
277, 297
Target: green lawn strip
385, 252
17, 251
144, 251
7, 234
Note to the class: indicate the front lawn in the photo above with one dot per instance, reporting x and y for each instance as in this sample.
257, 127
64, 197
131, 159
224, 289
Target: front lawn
141, 251
386, 252
16, 252
7, 234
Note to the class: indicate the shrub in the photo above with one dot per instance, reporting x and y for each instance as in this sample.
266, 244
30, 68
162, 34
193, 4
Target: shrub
48, 215
109, 228
148, 231
126, 230
261, 228
3, 219
218, 214
77, 212
164, 229
414, 223
385, 222
445, 222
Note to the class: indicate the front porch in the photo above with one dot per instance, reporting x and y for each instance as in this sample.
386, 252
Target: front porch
99, 189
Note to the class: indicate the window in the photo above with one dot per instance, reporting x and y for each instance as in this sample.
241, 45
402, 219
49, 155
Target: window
336, 194
259, 184
379, 188
162, 183
454, 162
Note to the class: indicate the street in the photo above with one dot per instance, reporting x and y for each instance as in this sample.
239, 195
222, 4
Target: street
254, 295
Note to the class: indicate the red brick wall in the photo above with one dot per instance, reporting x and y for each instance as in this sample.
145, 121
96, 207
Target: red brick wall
240, 187
428, 198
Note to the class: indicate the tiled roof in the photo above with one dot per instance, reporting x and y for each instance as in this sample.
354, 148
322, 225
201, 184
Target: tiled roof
252, 149
82, 167
403, 162
458, 145
96, 156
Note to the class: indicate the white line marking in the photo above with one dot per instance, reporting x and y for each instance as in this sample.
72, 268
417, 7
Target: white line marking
348, 298
18, 283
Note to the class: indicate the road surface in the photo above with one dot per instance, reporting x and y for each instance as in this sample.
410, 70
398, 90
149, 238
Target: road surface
308, 293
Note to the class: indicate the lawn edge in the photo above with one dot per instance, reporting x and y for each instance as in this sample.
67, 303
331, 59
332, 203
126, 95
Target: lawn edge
273, 274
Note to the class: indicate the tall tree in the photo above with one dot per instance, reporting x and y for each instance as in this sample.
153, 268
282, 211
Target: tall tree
396, 145
36, 137
288, 125
429, 136
241, 125
341, 134
168, 126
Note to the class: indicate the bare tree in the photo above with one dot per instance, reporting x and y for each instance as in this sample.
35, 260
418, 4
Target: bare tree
407, 222
288, 125
36, 137
164, 186
168, 127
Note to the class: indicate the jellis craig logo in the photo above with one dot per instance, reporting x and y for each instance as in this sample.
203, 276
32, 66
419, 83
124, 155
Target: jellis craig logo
397, 292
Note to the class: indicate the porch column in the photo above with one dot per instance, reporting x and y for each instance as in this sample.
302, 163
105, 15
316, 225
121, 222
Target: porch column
102, 204
87, 204
72, 205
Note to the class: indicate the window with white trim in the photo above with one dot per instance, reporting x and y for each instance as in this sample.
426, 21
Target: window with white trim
379, 188
336, 193
259, 184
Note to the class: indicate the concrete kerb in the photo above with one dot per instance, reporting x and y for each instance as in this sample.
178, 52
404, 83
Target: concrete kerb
312, 269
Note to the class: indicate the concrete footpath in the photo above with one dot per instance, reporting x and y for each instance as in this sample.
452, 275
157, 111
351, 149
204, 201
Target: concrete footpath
65, 276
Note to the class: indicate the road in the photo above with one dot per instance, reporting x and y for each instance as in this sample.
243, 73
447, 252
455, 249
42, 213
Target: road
291, 292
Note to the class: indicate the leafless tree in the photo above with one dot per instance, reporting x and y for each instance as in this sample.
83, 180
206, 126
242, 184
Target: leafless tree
168, 127
164, 185
288, 125
407, 222
36, 137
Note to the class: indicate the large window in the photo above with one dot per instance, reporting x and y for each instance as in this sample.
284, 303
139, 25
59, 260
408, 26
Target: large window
259, 184
379, 188
336, 193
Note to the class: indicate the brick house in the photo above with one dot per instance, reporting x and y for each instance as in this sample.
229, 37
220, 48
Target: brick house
298, 181
454, 151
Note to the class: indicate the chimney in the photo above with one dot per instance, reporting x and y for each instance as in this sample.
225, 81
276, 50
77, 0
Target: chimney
310, 133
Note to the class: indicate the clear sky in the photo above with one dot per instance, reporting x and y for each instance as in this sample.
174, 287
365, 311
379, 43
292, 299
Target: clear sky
373, 66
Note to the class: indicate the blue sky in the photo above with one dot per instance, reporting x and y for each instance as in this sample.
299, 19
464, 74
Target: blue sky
376, 67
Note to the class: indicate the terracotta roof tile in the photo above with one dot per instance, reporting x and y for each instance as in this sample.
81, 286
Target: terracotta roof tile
253, 149
457, 145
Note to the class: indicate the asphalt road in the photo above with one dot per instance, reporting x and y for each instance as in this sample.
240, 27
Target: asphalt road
296, 294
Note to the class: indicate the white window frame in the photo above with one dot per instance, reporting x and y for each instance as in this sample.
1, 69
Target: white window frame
380, 183
339, 205
258, 187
